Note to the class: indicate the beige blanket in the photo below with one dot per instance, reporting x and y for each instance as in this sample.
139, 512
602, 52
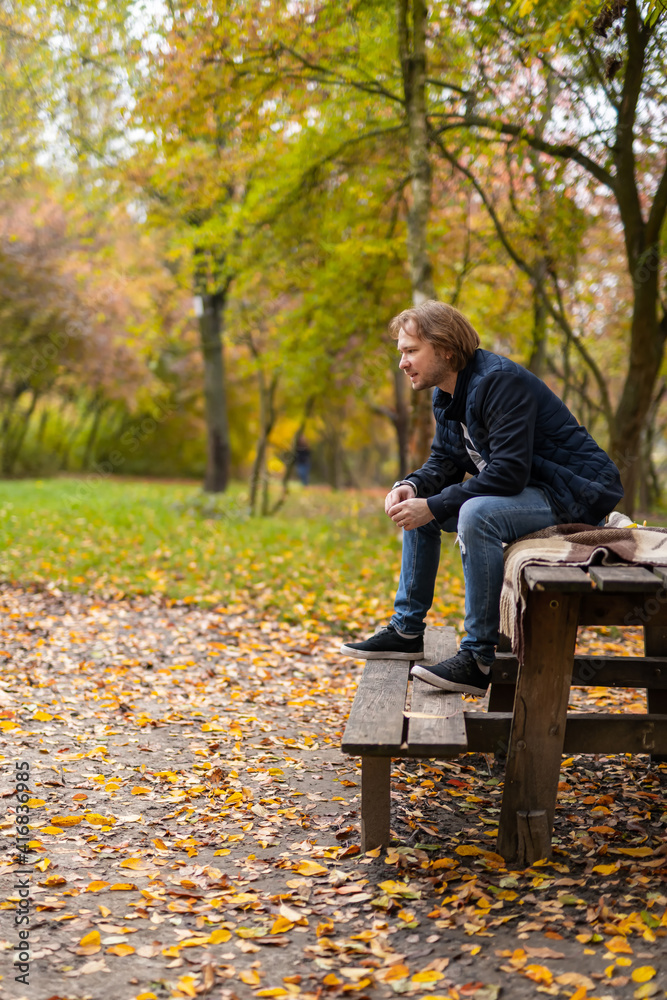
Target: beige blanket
571, 545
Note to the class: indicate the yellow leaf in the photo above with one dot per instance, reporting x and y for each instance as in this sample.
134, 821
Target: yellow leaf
186, 984
634, 852
121, 950
96, 885
331, 980
219, 936
95, 819
539, 974
468, 850
35, 803
606, 869
250, 977
53, 830
398, 971
311, 868
273, 991
146, 996
193, 942
133, 863
93, 937
619, 946
90, 944
43, 864
141, 790
120, 886
41, 716
428, 976
281, 924
643, 973
65, 820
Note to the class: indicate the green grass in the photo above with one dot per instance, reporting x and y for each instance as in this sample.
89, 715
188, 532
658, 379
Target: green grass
326, 560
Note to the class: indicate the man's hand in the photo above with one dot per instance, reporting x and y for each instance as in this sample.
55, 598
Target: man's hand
410, 514
403, 492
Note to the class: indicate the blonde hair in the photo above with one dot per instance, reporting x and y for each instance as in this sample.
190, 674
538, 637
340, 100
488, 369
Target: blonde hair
441, 325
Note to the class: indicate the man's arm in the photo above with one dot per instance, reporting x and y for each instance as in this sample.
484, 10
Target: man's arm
508, 411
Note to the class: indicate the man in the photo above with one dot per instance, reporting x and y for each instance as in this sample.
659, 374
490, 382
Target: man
531, 466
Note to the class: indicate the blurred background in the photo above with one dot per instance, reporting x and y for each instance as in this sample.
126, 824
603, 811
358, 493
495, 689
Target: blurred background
210, 211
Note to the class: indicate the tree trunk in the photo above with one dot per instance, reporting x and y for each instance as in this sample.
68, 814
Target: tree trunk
647, 340
402, 423
412, 54
215, 393
14, 444
641, 230
259, 481
98, 406
538, 354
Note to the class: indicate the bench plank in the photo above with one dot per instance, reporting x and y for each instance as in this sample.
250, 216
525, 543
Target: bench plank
624, 578
439, 644
435, 720
585, 732
567, 579
596, 671
376, 721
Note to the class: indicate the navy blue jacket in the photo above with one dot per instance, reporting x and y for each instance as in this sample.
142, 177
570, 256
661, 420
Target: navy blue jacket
527, 437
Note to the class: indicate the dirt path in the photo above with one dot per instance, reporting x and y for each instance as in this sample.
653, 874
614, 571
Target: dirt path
194, 830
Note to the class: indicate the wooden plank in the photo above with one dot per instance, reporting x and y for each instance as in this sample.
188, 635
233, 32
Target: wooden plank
439, 644
598, 608
585, 732
655, 644
435, 721
622, 579
540, 713
376, 720
567, 579
595, 671
661, 571
601, 732
620, 671
375, 802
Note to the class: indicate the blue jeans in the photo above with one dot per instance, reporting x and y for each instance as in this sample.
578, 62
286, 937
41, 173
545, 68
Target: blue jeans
483, 524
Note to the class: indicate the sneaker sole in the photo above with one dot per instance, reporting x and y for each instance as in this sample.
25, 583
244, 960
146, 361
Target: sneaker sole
387, 654
425, 674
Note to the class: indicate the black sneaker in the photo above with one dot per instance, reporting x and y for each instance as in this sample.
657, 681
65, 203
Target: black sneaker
458, 673
386, 644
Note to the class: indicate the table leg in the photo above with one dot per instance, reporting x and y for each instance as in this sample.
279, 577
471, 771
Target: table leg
538, 726
375, 802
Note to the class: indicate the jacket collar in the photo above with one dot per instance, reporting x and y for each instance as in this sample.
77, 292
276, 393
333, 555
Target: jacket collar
454, 407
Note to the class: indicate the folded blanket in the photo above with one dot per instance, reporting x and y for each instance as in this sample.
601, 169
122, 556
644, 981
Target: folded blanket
572, 545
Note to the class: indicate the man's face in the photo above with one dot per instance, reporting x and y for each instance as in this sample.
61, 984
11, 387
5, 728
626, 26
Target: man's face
422, 363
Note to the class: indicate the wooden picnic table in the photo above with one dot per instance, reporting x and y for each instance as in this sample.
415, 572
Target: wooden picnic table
527, 719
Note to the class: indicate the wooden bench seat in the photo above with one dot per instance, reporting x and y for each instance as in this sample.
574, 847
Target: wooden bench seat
527, 720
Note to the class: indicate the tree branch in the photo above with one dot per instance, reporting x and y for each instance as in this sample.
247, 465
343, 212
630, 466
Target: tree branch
557, 314
563, 151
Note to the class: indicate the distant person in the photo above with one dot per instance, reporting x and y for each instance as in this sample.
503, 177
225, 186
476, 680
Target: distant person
302, 459
531, 466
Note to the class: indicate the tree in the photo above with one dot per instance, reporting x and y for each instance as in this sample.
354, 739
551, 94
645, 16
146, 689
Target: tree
608, 133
